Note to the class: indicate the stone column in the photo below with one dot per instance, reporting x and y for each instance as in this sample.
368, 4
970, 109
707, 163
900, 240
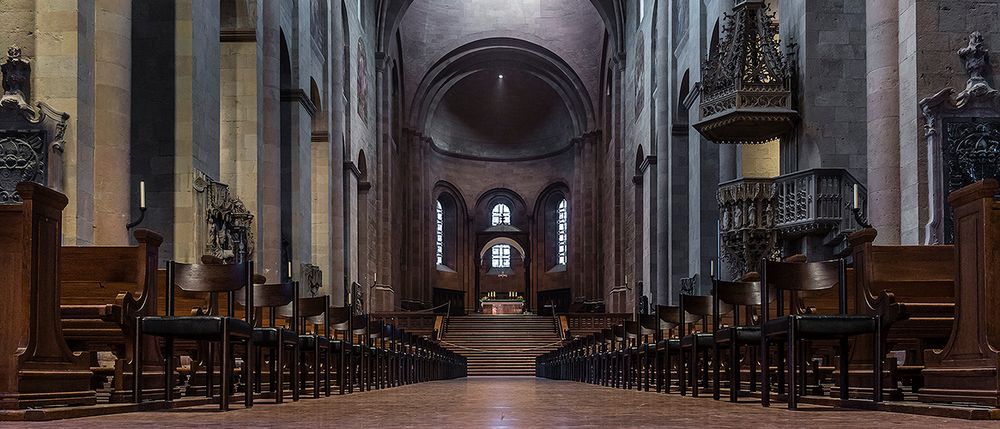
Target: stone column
268, 146
662, 100
113, 84
196, 118
62, 76
335, 73
882, 72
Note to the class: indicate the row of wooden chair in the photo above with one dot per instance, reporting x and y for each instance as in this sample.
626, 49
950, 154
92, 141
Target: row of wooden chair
299, 336
768, 332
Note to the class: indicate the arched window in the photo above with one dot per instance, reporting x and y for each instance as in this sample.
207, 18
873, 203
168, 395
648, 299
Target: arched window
440, 233
562, 232
501, 255
501, 216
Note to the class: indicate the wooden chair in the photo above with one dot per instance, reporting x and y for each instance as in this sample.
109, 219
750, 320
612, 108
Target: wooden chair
743, 333
795, 327
668, 346
342, 348
315, 311
649, 335
277, 339
228, 330
697, 342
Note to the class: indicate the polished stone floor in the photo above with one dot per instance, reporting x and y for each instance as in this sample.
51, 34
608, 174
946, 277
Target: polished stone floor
508, 402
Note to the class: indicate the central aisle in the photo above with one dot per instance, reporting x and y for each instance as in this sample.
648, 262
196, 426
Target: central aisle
508, 402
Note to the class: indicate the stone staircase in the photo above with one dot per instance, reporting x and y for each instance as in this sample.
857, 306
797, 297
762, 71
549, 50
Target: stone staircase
501, 345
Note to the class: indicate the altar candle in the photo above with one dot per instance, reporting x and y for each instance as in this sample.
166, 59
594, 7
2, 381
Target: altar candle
711, 267
142, 194
289, 269
376, 278
856, 203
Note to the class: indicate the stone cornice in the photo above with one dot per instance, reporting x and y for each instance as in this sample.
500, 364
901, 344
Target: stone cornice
299, 95
238, 36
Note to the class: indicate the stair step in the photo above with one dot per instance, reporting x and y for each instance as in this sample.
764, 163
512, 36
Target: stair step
500, 345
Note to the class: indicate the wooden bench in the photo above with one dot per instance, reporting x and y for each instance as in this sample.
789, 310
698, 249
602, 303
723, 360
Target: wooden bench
103, 290
583, 324
38, 367
912, 289
967, 369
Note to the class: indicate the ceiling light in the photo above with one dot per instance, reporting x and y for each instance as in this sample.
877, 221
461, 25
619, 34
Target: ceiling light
499, 76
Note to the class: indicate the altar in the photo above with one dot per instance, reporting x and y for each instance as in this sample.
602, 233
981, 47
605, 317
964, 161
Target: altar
503, 306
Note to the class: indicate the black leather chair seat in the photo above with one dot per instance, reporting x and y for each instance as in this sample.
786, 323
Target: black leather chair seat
739, 334
269, 336
194, 327
337, 345
672, 344
703, 340
308, 342
821, 325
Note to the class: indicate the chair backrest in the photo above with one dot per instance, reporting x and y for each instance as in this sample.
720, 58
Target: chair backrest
738, 293
209, 277
313, 310
340, 319
212, 279
734, 295
795, 277
282, 299
273, 295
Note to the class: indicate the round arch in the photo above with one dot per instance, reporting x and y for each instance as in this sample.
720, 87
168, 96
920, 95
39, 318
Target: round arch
502, 240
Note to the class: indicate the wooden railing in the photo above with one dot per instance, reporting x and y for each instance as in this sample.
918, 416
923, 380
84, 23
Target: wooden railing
417, 323
586, 323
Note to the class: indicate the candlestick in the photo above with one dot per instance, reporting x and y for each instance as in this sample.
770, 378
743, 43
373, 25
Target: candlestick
142, 194
856, 204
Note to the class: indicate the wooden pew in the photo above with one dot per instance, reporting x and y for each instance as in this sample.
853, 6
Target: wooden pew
911, 288
37, 368
968, 368
103, 290
583, 324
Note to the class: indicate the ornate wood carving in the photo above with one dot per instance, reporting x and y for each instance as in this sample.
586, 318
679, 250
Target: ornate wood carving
746, 86
746, 210
31, 137
963, 139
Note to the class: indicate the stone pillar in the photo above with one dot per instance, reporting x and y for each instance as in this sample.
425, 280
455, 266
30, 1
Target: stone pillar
196, 118
62, 76
113, 84
882, 72
661, 116
268, 132
335, 73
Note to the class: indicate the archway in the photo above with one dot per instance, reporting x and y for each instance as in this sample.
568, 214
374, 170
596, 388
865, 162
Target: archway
503, 270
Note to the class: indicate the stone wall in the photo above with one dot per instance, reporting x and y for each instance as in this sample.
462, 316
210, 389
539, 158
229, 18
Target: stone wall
930, 33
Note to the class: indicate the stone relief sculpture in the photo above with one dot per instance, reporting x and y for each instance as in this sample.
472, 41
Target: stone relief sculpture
963, 138
31, 136
362, 82
229, 223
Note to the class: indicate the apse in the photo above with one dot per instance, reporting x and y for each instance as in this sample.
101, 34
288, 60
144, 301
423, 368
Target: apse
501, 113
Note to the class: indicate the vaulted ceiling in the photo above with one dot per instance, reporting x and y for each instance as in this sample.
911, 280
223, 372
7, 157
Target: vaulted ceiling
549, 51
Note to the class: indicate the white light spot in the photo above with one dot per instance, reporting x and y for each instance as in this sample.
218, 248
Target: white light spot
499, 76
